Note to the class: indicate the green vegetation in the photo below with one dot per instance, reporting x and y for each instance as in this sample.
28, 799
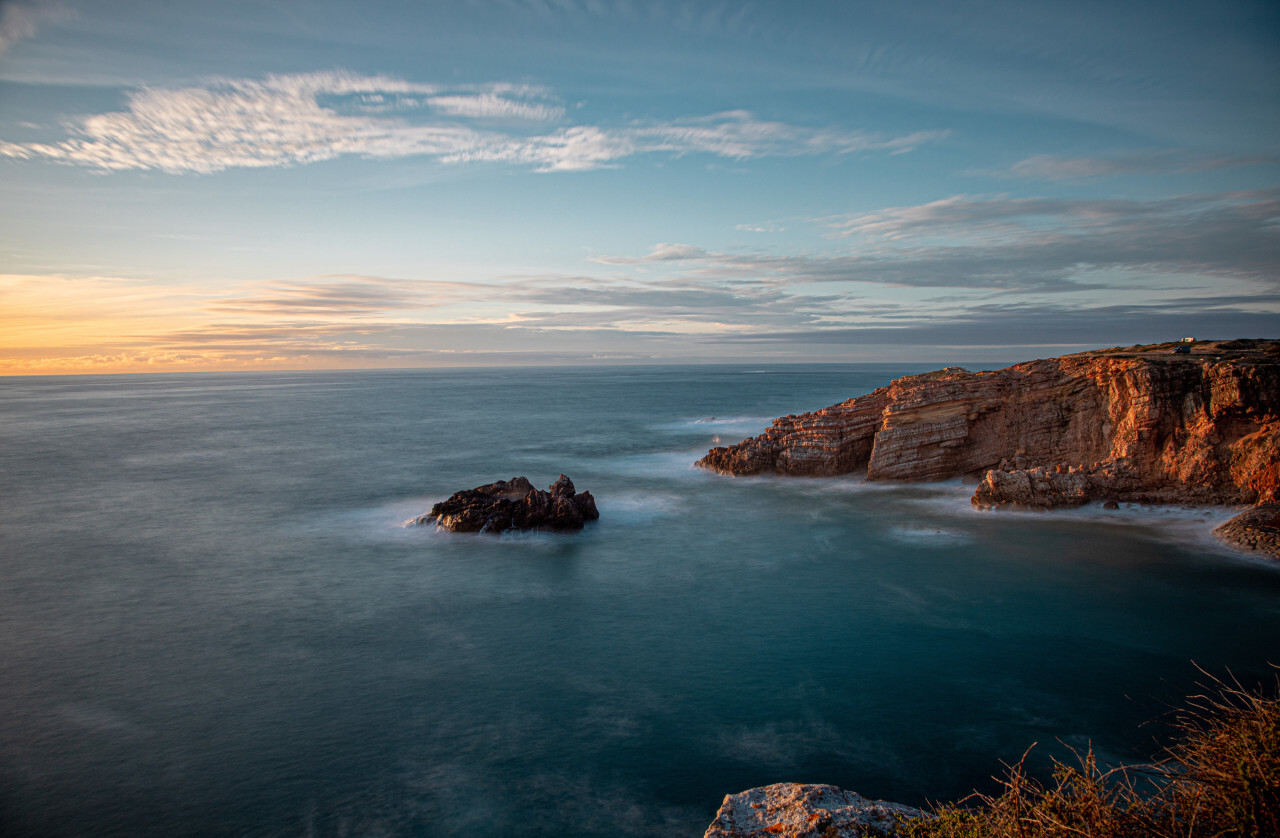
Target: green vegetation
1219, 779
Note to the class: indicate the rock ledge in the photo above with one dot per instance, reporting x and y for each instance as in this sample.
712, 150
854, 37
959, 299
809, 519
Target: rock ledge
1257, 529
801, 810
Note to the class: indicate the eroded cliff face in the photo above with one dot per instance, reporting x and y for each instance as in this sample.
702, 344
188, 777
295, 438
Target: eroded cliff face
1138, 424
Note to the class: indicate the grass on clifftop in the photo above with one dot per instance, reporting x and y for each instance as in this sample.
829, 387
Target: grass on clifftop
1219, 779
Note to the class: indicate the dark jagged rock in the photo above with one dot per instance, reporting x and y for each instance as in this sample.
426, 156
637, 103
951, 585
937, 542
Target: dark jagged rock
513, 505
802, 810
1134, 424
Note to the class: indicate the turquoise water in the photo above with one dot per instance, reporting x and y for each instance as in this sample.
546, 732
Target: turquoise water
213, 622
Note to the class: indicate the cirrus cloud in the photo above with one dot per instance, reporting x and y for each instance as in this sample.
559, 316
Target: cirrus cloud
1056, 167
19, 20
312, 117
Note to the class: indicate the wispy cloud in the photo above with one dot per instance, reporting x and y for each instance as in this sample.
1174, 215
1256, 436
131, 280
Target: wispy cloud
1026, 245
682, 306
308, 118
969, 268
20, 20
238, 123
738, 134
964, 271
373, 321
659, 253
346, 296
493, 106
1055, 167
1025, 324
1011, 242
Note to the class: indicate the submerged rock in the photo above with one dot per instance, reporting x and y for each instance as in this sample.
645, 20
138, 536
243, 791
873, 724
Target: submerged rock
513, 505
801, 810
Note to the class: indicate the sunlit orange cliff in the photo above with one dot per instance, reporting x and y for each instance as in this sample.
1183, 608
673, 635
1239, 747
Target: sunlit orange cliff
1189, 423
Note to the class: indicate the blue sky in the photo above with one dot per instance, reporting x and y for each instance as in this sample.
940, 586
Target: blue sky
318, 184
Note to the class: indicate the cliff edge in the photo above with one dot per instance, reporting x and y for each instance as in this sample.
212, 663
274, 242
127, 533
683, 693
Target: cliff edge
1155, 424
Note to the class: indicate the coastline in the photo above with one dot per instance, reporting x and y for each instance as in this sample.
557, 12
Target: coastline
1197, 525
1116, 436
707, 635
1194, 424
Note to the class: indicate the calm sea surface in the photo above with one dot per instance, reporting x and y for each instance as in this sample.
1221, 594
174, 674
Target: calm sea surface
213, 623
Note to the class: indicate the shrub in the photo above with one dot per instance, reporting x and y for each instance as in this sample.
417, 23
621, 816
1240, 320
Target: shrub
1219, 779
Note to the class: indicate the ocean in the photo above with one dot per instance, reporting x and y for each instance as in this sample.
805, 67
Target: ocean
213, 621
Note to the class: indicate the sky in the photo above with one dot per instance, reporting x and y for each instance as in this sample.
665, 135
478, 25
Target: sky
312, 184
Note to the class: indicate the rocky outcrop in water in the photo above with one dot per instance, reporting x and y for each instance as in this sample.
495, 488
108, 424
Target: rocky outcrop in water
1134, 424
1258, 529
795, 810
513, 505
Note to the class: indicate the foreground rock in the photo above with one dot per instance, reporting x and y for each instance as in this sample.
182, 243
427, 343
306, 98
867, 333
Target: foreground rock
514, 505
1257, 529
1136, 424
795, 810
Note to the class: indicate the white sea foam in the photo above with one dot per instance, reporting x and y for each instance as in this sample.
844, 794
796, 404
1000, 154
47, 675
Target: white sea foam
1187, 526
759, 421
392, 521
1176, 524
729, 429
855, 483
930, 536
638, 507
663, 464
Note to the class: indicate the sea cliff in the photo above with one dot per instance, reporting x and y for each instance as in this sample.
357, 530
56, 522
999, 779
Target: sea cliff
1140, 423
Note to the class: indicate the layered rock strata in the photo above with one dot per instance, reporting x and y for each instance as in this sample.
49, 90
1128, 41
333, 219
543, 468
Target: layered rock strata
795, 810
513, 505
1138, 424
